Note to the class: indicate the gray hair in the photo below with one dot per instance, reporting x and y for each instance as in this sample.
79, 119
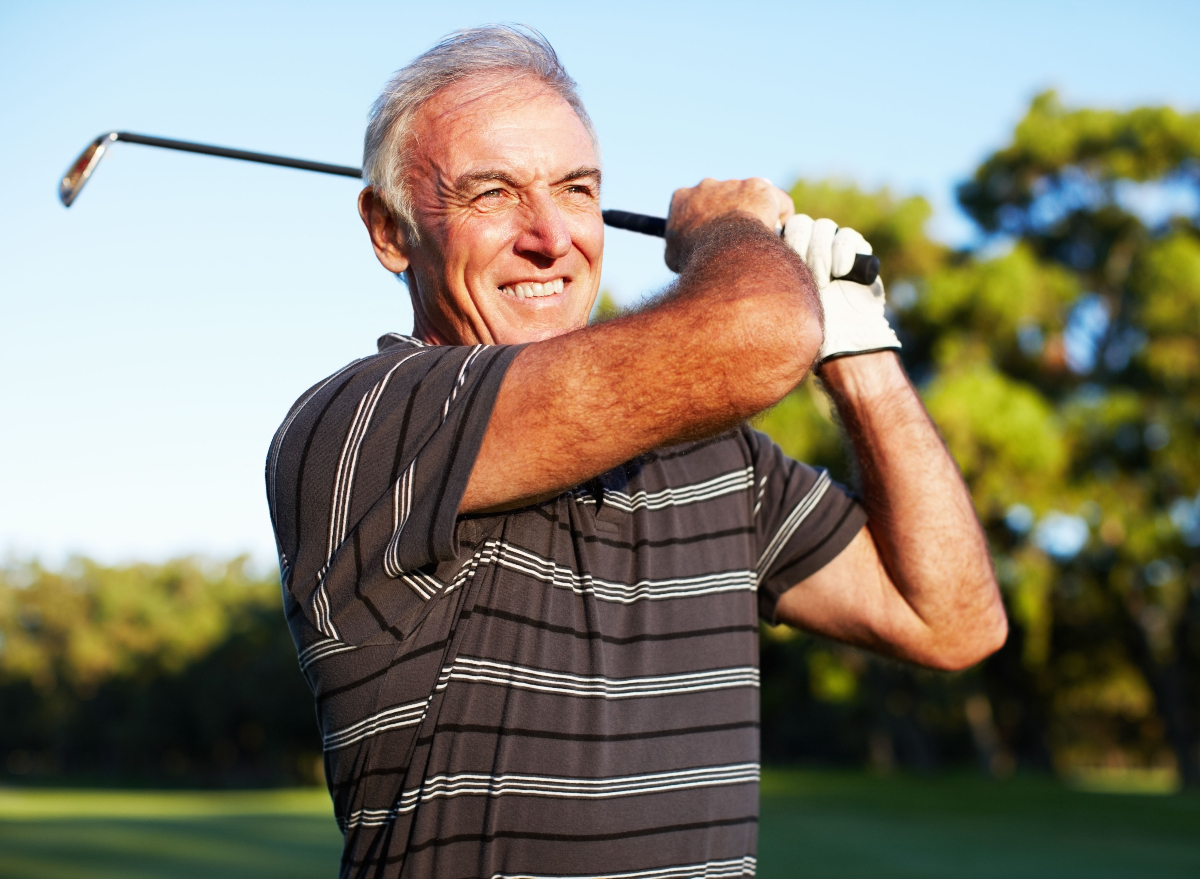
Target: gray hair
517, 49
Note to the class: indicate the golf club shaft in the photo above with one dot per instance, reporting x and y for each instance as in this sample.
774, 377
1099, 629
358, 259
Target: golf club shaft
244, 155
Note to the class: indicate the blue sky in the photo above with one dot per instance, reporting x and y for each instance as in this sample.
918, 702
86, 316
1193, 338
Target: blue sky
154, 335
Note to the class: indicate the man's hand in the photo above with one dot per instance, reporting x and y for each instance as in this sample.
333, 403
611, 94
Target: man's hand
693, 207
854, 318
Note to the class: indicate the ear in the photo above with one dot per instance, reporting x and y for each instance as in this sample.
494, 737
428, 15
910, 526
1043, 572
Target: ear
386, 235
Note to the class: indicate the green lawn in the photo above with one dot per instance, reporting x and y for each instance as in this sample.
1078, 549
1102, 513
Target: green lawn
855, 825
814, 824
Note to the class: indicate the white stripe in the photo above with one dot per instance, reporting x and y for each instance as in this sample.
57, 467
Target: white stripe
391, 718
348, 462
485, 671
342, 489
277, 442
320, 603
402, 495
403, 338
401, 509
318, 650
709, 870
427, 586
762, 489
458, 383
718, 486
524, 562
423, 584
521, 561
483, 784
795, 518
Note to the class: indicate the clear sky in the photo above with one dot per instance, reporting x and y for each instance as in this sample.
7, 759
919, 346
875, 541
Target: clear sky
154, 335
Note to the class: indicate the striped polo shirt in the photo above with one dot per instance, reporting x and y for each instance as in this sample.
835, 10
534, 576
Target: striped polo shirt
567, 689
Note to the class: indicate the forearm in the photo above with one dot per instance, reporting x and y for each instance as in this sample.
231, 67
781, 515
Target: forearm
921, 518
738, 330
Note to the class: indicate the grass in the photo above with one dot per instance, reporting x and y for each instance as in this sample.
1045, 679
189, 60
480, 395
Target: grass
814, 824
64, 834
854, 825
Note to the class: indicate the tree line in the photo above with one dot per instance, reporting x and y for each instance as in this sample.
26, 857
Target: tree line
1059, 356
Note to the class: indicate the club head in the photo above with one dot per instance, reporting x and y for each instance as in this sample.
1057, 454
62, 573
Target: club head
81, 169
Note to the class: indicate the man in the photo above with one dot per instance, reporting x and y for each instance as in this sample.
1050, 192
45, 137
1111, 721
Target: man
524, 558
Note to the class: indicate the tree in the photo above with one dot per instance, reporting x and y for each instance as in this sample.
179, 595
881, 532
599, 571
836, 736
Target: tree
183, 671
1061, 360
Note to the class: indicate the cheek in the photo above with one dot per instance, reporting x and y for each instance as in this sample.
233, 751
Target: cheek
586, 229
590, 242
482, 246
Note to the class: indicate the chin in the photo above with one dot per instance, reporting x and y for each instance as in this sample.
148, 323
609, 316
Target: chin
520, 335
535, 321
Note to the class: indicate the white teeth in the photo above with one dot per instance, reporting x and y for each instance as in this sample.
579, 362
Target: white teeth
534, 290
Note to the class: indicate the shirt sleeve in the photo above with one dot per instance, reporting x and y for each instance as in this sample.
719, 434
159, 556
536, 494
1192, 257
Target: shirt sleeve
802, 519
365, 478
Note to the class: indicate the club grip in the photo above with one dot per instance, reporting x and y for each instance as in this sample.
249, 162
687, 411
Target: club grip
864, 271
632, 222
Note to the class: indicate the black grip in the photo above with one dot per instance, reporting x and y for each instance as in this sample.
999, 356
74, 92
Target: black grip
632, 222
865, 270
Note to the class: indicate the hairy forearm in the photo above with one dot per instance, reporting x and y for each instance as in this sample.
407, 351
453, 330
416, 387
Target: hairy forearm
921, 518
737, 331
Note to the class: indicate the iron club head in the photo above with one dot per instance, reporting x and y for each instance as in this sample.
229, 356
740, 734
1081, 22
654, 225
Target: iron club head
81, 169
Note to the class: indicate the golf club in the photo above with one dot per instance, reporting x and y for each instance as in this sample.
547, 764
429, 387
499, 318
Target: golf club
865, 270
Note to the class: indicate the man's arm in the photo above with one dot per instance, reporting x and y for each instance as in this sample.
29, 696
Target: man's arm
740, 329
917, 583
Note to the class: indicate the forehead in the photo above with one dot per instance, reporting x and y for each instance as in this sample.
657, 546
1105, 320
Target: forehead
501, 120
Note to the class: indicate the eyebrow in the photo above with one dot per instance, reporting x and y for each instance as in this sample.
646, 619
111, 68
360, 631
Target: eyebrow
580, 173
471, 179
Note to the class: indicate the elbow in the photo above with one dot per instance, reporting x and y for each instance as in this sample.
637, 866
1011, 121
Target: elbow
971, 644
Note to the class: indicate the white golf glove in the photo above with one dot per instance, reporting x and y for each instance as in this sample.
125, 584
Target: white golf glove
854, 318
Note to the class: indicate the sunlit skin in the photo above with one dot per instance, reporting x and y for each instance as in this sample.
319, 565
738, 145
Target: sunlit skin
506, 190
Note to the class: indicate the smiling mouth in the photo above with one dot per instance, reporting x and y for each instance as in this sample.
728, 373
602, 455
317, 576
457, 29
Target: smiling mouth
534, 290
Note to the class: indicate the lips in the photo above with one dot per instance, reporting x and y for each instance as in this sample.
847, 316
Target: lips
534, 290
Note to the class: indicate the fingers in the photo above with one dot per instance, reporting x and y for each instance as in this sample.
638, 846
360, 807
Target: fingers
783, 203
828, 251
798, 233
820, 251
847, 244
694, 206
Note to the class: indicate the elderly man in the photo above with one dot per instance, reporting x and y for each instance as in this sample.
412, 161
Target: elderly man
524, 559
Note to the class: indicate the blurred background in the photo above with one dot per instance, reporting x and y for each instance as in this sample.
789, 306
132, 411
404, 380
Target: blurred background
1029, 174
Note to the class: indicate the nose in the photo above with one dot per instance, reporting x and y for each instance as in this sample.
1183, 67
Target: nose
545, 236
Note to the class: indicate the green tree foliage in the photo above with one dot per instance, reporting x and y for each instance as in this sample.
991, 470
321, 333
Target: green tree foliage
1061, 361
183, 670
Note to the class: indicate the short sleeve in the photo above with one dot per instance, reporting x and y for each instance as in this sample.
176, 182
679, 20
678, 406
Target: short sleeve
365, 478
802, 520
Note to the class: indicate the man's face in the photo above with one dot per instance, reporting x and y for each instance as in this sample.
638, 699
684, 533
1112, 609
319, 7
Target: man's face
506, 194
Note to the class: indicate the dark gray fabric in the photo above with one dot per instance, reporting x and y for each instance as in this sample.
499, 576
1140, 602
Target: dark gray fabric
569, 689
